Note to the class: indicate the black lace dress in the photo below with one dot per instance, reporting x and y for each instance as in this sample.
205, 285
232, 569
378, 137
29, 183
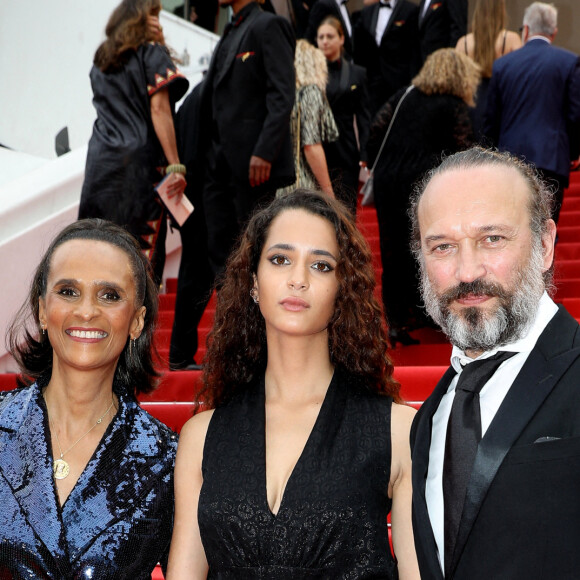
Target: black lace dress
332, 521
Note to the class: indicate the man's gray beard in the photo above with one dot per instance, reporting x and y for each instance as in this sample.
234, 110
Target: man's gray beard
474, 329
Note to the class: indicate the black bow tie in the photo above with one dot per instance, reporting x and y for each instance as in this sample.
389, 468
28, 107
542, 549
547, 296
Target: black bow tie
384, 5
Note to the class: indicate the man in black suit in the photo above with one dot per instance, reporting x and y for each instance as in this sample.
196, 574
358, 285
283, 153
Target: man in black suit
533, 102
337, 8
386, 40
495, 474
196, 278
441, 24
245, 112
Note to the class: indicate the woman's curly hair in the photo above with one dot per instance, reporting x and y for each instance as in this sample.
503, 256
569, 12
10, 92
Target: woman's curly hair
135, 372
237, 351
448, 72
126, 31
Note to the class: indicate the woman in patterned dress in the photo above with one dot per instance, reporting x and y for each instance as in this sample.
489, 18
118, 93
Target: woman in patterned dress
312, 122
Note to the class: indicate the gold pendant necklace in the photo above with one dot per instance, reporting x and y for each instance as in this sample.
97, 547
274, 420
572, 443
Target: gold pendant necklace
60, 468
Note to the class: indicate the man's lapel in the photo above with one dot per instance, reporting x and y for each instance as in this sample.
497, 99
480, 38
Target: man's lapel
548, 361
25, 465
420, 445
394, 18
234, 48
374, 18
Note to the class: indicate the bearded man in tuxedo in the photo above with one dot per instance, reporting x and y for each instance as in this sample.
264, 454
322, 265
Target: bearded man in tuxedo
496, 447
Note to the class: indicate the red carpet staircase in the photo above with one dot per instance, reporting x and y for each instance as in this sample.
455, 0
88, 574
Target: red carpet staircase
417, 367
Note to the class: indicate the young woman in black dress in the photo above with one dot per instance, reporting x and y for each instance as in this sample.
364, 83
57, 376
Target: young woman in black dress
295, 470
348, 97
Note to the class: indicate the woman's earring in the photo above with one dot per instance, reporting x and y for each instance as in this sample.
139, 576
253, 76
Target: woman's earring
131, 345
43, 330
254, 295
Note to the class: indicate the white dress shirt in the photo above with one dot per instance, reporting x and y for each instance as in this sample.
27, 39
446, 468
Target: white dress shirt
385, 14
425, 8
345, 15
490, 399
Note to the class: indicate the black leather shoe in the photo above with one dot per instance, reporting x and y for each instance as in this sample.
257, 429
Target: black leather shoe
189, 367
400, 335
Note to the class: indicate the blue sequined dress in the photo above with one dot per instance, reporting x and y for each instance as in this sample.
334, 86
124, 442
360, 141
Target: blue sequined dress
115, 524
332, 521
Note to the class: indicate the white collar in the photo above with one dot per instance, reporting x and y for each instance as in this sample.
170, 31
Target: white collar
539, 37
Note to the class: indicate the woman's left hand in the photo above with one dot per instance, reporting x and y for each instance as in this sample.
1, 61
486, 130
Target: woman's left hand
176, 185
155, 29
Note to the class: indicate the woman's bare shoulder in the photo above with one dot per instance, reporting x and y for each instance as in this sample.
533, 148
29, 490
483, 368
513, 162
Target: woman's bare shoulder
402, 416
195, 429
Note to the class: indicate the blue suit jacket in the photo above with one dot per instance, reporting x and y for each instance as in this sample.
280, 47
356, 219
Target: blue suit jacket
116, 522
534, 96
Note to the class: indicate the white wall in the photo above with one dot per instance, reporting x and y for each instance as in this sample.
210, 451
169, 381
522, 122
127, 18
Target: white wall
46, 52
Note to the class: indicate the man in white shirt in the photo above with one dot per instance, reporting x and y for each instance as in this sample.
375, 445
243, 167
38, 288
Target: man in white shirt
386, 40
484, 239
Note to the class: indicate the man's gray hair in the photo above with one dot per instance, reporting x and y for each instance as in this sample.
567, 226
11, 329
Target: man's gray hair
541, 197
541, 18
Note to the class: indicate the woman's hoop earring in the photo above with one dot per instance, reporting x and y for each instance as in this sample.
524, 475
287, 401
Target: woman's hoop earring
254, 295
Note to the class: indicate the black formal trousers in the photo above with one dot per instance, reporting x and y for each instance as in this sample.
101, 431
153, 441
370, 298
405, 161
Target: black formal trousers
228, 204
196, 278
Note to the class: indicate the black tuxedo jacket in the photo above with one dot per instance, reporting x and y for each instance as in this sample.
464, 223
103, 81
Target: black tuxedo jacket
348, 97
392, 64
254, 96
319, 11
444, 23
521, 518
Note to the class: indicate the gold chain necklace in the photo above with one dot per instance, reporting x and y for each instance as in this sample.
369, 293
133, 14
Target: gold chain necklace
60, 468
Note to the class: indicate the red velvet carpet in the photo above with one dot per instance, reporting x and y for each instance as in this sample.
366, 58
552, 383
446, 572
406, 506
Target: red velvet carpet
417, 367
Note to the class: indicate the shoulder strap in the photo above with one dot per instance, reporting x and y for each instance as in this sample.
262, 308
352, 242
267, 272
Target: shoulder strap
409, 89
503, 45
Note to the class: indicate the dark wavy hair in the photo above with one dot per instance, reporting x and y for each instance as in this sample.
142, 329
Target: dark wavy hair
237, 351
126, 31
135, 372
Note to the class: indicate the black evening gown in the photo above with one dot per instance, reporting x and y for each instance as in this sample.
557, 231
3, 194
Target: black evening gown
426, 127
124, 154
332, 521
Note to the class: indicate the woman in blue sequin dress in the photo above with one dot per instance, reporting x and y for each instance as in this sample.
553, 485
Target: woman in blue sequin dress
295, 470
86, 476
